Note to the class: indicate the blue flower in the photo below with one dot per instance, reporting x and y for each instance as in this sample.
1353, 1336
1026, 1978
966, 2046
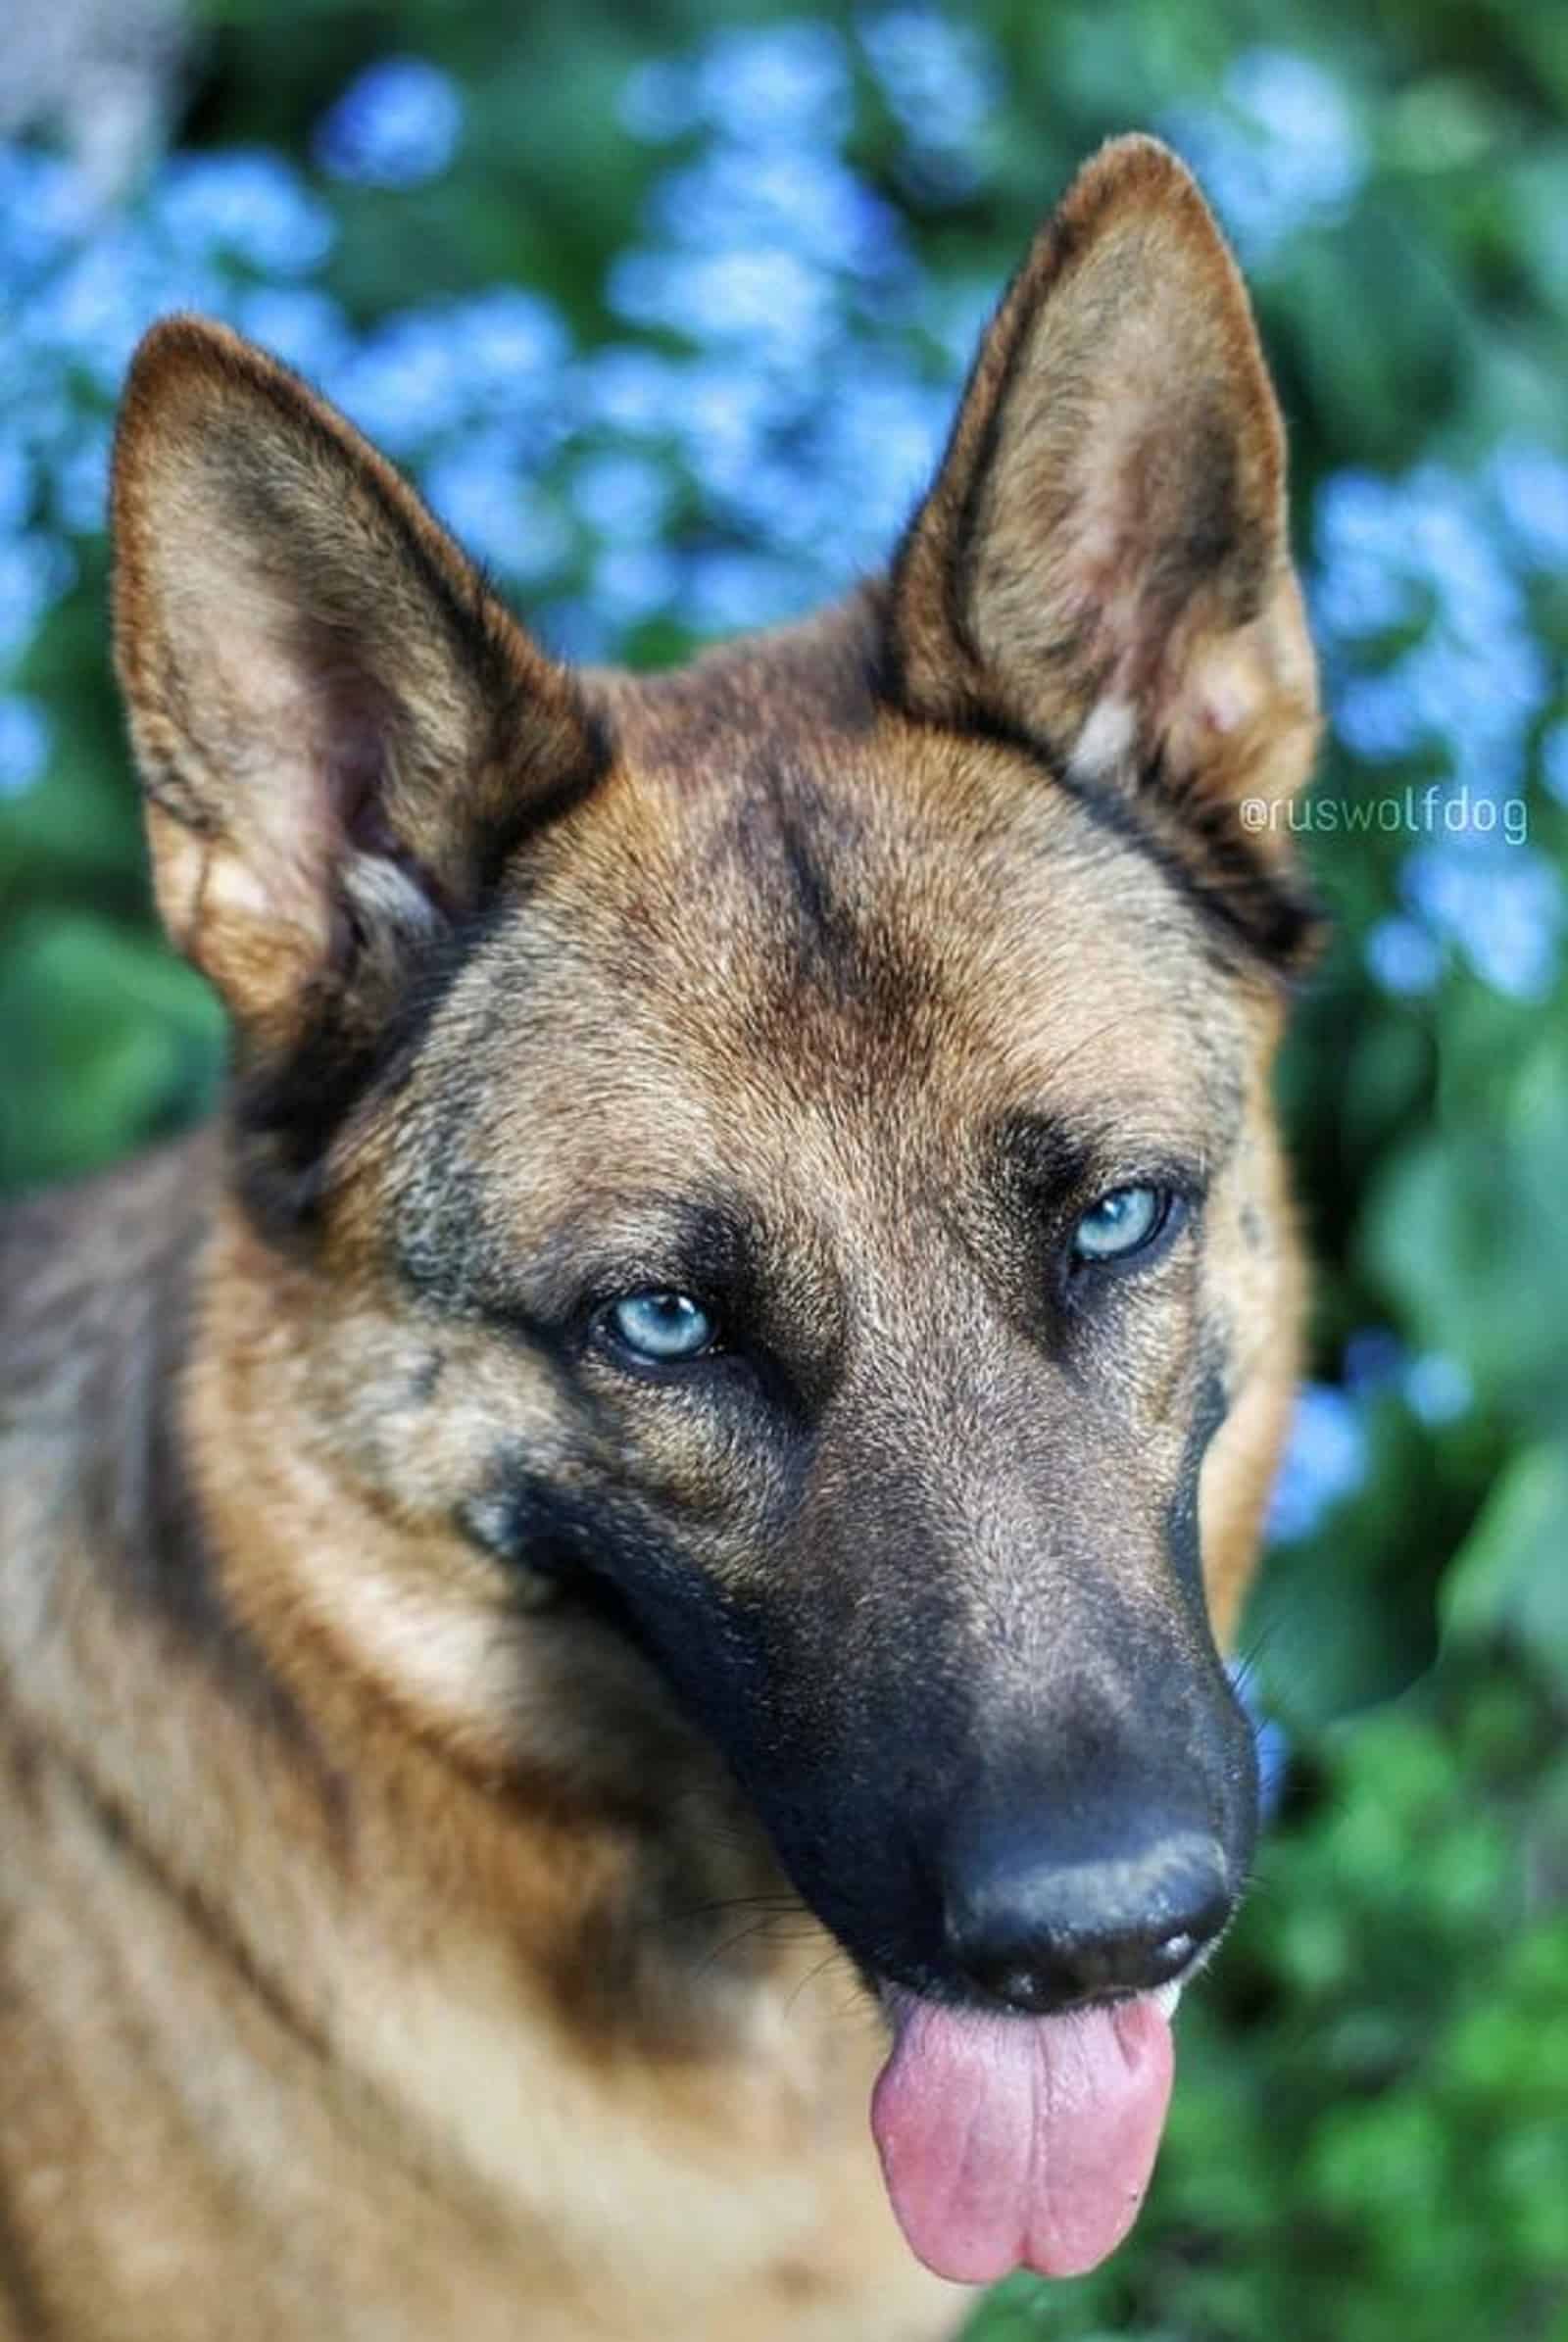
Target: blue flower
727, 590
777, 84
478, 488
95, 308
1282, 154
1378, 716
81, 482
1555, 761
299, 323
941, 81
511, 343
1532, 489
1502, 904
423, 374
36, 571
631, 389
397, 125
636, 581
24, 743
1404, 955
1373, 1357
405, 384
772, 304
245, 203
15, 485
1437, 1389
661, 100
1325, 1462
743, 199
45, 207
623, 498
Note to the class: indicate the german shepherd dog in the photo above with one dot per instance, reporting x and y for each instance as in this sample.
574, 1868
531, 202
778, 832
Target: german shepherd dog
609, 1685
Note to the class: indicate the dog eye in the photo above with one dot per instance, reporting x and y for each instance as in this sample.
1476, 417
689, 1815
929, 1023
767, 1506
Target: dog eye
1122, 1223
661, 1327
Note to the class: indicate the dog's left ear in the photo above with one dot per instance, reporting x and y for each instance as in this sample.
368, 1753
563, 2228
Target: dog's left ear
1101, 564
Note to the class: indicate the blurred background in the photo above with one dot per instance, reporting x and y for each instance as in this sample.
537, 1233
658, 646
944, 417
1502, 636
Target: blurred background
665, 305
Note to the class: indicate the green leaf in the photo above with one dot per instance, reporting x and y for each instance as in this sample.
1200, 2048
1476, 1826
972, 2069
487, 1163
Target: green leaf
1511, 1576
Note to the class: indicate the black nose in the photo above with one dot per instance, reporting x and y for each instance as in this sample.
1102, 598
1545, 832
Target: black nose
1039, 1935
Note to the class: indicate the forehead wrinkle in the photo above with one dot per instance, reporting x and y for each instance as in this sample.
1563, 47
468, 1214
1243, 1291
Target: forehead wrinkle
686, 969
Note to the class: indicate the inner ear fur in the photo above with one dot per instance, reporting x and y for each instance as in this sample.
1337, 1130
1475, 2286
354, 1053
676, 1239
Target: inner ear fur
1101, 564
341, 732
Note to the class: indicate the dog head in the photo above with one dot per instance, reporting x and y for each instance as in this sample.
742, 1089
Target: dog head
774, 1161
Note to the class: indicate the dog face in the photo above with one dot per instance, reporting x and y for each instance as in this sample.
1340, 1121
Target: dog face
772, 1166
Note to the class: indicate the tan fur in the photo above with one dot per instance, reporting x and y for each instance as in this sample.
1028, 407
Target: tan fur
384, 1949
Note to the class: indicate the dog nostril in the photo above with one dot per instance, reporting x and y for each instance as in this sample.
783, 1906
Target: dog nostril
1039, 1939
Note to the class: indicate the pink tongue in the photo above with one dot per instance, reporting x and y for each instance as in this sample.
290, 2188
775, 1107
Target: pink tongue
1014, 2142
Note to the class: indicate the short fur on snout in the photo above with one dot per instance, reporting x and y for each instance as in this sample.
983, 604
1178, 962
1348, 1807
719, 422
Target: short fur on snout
476, 1786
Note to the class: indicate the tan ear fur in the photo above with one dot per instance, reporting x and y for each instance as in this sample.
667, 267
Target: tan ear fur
339, 728
1101, 564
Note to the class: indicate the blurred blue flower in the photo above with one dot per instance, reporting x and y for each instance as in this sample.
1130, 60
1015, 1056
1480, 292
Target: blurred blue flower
1432, 553
1502, 904
747, 199
1378, 716
631, 389
727, 590
1325, 1462
495, 357
481, 490
24, 743
728, 414
508, 338
576, 630
1437, 1389
396, 125
776, 84
45, 207
35, 570
299, 323
1373, 1356
245, 203
1404, 955
1555, 761
1281, 153
941, 81
92, 312
81, 482
1532, 490
15, 485
623, 498
636, 581
878, 448
405, 384
661, 100
771, 303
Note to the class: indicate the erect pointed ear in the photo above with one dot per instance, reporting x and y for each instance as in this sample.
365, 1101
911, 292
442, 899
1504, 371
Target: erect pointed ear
1103, 564
341, 732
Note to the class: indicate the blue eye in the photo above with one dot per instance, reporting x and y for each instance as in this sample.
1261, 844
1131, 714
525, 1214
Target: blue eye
663, 1328
1122, 1223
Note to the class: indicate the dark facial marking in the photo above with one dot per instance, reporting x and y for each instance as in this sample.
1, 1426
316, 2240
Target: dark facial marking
1180, 1520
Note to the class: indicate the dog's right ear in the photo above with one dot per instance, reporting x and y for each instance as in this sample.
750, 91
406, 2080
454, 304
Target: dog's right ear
341, 732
